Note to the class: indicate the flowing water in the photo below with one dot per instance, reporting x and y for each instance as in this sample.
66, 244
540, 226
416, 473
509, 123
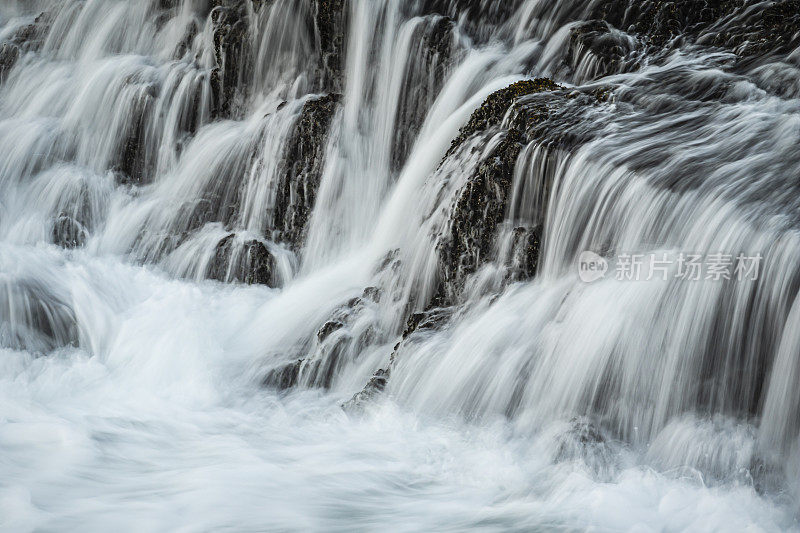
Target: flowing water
153, 281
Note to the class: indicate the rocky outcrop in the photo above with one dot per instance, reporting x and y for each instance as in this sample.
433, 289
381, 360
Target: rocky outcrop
527, 111
303, 166
247, 262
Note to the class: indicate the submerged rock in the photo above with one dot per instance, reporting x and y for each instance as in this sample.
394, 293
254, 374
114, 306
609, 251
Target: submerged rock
34, 317
68, 232
585, 443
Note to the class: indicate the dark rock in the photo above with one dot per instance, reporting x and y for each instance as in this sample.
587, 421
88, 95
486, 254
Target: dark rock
31, 37
479, 18
373, 388
284, 377
494, 109
525, 253
303, 166
9, 54
328, 328
28, 38
68, 232
747, 27
330, 23
134, 164
233, 52
341, 338
249, 262
527, 111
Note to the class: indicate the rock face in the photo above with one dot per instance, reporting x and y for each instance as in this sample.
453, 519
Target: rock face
134, 163
330, 24
525, 112
303, 162
232, 51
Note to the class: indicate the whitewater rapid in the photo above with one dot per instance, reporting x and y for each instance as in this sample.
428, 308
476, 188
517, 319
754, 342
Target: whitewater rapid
165, 431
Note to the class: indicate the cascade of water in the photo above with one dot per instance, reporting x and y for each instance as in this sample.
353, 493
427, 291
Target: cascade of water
205, 201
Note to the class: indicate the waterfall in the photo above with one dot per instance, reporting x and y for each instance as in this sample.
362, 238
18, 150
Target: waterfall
399, 264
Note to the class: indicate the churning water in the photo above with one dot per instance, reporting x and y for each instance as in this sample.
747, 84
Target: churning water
216, 218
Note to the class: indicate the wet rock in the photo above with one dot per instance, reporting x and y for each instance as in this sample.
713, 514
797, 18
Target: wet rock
426, 67
31, 37
747, 27
284, 377
330, 23
495, 107
9, 54
478, 17
303, 165
525, 253
233, 52
249, 262
585, 443
525, 112
596, 50
134, 165
417, 324
68, 232
28, 38
328, 328
341, 339
374, 387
